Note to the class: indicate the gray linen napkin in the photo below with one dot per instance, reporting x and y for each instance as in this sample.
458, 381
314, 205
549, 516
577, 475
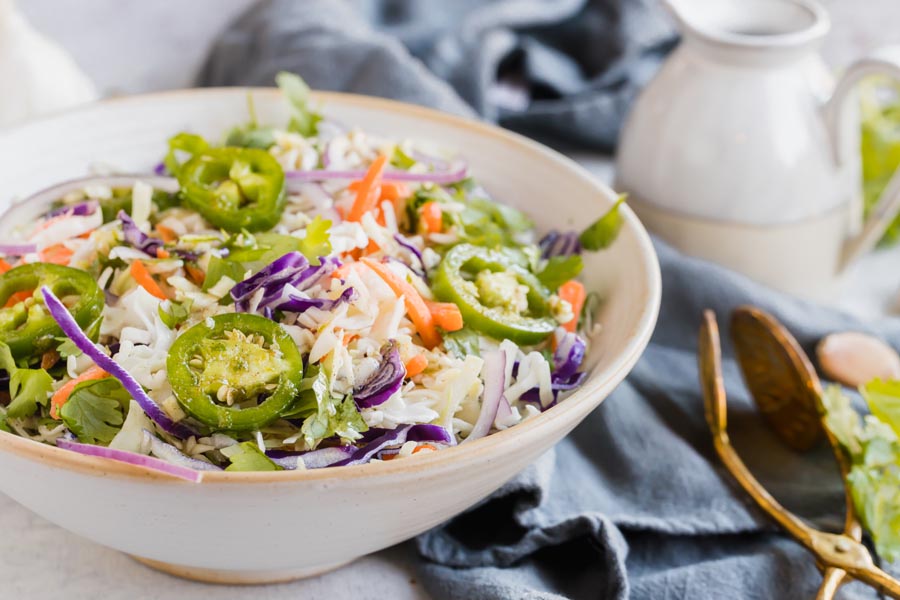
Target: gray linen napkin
565, 71
633, 503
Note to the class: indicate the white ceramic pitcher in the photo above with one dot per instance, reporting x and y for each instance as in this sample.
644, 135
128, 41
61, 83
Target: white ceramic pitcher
742, 150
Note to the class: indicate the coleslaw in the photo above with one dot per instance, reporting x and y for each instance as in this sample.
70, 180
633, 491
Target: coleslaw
298, 297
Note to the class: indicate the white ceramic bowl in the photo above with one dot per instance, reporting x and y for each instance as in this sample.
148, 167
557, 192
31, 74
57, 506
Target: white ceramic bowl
261, 527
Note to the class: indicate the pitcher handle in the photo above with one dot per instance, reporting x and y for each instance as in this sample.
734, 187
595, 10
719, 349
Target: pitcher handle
841, 123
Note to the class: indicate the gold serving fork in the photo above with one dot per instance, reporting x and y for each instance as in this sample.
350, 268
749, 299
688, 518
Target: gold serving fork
787, 391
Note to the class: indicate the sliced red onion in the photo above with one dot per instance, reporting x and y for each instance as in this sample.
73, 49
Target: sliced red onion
493, 374
396, 437
132, 458
17, 249
557, 243
458, 173
170, 453
504, 410
82, 342
384, 382
315, 459
137, 238
160, 168
82, 209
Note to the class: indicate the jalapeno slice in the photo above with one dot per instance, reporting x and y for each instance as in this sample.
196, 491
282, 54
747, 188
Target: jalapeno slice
235, 371
234, 188
495, 295
26, 326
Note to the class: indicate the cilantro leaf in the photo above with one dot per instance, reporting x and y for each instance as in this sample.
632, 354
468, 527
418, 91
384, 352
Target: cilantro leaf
462, 342
7, 362
67, 348
559, 270
303, 120
27, 387
219, 268
173, 314
333, 415
874, 451
93, 411
317, 241
4, 426
604, 231
883, 398
247, 456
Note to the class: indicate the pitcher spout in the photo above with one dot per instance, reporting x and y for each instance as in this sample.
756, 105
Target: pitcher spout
772, 31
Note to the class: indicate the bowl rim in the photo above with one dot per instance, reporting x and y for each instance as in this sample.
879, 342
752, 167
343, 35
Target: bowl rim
481, 448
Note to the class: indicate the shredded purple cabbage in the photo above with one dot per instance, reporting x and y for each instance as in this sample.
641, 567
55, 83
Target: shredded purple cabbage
82, 209
285, 276
407, 245
384, 382
137, 238
295, 303
568, 356
565, 377
557, 243
395, 437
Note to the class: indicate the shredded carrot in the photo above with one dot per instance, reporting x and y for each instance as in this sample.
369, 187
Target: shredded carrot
446, 315
166, 234
342, 271
61, 396
4, 266
162, 253
57, 254
195, 274
373, 247
416, 365
367, 192
432, 217
145, 280
573, 292
415, 304
394, 190
421, 447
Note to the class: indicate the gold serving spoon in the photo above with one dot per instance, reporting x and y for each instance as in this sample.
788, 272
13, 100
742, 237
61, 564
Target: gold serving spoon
785, 386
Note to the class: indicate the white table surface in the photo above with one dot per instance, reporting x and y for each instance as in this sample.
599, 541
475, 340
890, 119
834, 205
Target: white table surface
130, 46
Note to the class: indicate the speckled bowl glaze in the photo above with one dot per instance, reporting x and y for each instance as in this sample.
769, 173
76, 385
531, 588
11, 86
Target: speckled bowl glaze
265, 527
